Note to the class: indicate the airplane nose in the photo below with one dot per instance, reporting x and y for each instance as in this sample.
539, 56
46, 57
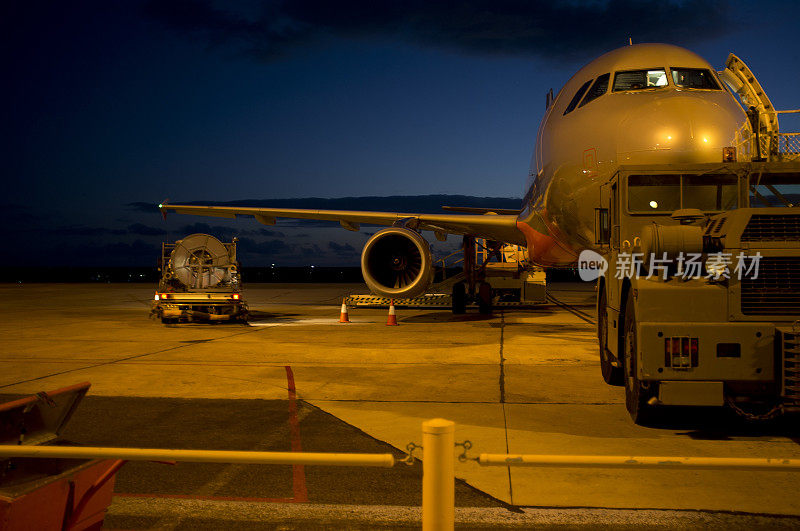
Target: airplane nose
679, 128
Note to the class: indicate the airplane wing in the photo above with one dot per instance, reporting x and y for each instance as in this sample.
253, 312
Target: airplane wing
490, 226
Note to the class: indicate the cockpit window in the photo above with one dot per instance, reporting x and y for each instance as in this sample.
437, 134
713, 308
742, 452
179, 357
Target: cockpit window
577, 97
695, 78
598, 89
640, 79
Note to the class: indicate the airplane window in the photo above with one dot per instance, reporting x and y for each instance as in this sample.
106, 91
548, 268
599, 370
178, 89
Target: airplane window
710, 193
598, 89
577, 97
694, 78
654, 193
640, 79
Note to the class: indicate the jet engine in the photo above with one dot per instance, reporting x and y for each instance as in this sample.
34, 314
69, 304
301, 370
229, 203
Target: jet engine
396, 262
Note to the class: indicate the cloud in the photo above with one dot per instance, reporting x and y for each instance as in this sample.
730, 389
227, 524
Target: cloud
311, 251
115, 254
268, 30
219, 231
342, 249
143, 230
77, 230
271, 233
140, 206
266, 248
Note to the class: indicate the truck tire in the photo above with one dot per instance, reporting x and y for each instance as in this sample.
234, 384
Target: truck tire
611, 375
636, 396
459, 300
485, 298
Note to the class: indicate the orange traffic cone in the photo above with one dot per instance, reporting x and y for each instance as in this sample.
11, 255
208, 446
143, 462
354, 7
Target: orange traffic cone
392, 321
343, 317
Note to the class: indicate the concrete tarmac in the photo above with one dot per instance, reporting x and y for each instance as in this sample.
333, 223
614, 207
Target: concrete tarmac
519, 381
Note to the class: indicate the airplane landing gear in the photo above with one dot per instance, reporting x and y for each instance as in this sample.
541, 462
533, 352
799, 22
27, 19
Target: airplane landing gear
474, 288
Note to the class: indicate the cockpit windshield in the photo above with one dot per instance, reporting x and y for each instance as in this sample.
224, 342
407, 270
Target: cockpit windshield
663, 194
639, 79
694, 78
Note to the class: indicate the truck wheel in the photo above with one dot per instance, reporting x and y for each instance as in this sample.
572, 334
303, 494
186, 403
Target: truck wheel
459, 299
636, 396
485, 298
611, 375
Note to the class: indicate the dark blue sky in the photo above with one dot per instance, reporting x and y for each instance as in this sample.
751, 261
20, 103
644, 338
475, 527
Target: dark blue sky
111, 103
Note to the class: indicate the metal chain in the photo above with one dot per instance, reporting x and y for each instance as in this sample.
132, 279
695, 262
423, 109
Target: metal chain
410, 447
462, 457
771, 414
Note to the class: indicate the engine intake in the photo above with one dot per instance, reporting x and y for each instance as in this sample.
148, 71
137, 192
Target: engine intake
396, 262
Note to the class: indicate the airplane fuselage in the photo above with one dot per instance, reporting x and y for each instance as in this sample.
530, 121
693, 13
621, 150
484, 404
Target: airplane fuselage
641, 104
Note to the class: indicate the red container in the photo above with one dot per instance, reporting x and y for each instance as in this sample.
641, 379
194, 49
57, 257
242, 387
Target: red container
45, 494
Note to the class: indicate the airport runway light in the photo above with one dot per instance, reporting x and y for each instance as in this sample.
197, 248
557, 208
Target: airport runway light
653, 204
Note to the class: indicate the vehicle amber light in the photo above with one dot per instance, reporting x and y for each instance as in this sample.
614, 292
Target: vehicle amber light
157, 297
729, 154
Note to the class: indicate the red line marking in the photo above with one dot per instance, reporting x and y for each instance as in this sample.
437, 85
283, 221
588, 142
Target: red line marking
298, 471
199, 497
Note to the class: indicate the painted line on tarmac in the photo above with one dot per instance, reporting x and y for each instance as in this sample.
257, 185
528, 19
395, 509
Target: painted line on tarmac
207, 492
120, 360
305, 322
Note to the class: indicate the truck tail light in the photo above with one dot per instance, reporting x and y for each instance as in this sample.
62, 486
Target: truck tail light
236, 296
681, 352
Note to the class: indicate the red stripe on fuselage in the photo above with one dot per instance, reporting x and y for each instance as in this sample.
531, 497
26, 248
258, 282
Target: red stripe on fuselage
544, 249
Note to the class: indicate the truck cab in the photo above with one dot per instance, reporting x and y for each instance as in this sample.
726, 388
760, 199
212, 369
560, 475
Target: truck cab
700, 302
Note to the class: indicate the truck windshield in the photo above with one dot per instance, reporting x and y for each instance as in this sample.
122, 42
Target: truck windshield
774, 190
663, 194
694, 78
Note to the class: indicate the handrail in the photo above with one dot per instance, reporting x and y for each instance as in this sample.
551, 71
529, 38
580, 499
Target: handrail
199, 456
621, 461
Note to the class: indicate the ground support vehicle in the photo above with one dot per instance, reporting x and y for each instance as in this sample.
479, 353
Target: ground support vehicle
728, 333
200, 281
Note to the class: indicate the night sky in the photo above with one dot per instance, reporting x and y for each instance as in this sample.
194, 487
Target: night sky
111, 107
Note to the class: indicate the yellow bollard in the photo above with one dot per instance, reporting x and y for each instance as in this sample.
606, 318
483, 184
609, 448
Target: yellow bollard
438, 474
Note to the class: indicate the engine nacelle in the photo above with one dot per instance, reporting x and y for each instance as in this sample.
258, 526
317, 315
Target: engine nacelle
396, 262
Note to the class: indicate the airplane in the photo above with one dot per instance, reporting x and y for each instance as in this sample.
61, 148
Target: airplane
639, 104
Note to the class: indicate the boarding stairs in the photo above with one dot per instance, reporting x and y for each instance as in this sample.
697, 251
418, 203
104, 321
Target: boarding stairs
766, 142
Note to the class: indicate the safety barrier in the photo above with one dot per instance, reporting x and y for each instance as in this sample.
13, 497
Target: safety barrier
438, 463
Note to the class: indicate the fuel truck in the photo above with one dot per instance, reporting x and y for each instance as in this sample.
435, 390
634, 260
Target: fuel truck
200, 281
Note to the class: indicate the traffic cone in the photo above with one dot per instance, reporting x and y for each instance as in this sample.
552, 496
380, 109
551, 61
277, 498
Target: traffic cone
392, 321
343, 317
